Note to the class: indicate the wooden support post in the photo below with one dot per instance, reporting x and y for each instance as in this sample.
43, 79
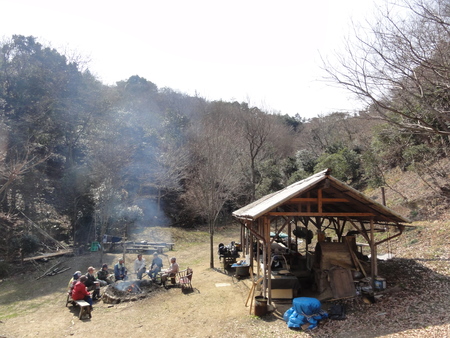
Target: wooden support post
289, 235
373, 253
242, 240
263, 258
319, 201
267, 259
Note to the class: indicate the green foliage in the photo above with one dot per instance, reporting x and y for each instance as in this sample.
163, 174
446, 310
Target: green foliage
413, 214
297, 176
26, 244
417, 155
288, 167
344, 164
4, 269
271, 179
389, 144
413, 241
130, 153
306, 160
29, 244
371, 167
295, 122
392, 147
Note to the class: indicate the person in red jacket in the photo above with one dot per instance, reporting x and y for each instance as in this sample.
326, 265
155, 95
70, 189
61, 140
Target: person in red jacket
80, 292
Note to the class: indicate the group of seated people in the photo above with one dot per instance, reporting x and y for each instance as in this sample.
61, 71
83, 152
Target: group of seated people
81, 286
155, 267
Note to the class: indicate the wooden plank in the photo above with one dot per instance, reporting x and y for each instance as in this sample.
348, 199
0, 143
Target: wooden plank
342, 264
356, 260
282, 293
156, 246
322, 214
142, 249
341, 282
81, 303
59, 253
85, 308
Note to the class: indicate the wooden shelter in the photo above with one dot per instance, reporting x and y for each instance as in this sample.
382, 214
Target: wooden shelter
319, 202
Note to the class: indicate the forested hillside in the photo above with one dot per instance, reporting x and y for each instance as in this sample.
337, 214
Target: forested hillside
80, 159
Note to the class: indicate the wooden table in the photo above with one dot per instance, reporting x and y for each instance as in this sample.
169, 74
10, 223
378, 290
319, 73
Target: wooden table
150, 246
227, 261
284, 286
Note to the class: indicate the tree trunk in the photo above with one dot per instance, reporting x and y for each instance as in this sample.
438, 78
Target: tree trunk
124, 240
211, 244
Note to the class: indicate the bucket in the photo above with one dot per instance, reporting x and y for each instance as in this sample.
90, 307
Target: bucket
260, 306
380, 283
243, 271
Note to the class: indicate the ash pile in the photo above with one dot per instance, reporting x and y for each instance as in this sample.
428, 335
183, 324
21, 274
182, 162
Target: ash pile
128, 291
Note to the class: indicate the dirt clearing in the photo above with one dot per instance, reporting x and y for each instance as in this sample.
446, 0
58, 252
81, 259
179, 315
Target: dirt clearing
415, 305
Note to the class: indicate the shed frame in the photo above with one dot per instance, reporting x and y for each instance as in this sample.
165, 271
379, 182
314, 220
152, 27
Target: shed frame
314, 201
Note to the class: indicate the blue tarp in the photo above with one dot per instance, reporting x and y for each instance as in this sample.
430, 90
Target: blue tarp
304, 310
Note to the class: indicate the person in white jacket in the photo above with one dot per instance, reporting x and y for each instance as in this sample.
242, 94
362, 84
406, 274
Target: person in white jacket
139, 266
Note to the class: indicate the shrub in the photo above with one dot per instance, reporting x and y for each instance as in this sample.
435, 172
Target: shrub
4, 269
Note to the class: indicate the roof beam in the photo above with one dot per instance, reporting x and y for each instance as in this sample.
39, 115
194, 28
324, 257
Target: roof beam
313, 199
321, 214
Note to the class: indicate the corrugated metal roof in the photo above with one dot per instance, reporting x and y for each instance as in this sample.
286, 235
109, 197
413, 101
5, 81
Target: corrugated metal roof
355, 200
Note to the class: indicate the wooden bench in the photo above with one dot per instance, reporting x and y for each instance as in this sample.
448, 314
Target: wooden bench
149, 246
85, 308
139, 248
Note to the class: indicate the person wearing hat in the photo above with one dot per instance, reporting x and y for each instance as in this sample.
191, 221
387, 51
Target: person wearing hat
104, 276
73, 281
156, 266
92, 283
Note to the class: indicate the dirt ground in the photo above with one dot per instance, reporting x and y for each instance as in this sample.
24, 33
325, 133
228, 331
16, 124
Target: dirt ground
415, 303
36, 308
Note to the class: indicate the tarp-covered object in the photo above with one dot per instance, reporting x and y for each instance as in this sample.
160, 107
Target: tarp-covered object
304, 310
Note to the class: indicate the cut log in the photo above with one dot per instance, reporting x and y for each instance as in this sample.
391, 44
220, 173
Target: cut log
54, 254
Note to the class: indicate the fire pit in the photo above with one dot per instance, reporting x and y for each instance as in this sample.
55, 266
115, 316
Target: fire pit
126, 291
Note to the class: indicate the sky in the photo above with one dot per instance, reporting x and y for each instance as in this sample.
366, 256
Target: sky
265, 53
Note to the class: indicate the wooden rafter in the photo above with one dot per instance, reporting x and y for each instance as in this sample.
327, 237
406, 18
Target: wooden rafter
321, 214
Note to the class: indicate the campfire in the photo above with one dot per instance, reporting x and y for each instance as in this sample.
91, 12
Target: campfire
125, 291
134, 288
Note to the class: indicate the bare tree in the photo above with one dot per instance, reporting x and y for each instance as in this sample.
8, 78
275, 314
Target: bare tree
256, 128
400, 66
214, 177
